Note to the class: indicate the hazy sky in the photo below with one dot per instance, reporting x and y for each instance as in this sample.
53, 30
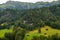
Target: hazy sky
3, 1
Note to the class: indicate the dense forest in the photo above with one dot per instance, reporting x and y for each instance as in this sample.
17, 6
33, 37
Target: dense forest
29, 20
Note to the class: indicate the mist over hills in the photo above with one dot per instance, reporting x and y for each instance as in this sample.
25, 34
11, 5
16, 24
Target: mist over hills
26, 5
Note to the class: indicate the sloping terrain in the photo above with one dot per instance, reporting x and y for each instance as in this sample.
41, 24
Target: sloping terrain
44, 32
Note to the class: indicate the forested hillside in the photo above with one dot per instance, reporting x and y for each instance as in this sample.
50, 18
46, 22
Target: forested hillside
31, 18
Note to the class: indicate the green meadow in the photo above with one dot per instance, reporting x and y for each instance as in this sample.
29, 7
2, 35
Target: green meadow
44, 32
30, 34
3, 31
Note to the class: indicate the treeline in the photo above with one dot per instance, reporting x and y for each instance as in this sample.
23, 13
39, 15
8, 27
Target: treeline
53, 37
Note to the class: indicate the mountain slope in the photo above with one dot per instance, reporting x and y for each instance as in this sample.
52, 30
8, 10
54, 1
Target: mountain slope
31, 18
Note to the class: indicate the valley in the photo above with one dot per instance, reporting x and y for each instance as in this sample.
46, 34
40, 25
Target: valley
30, 21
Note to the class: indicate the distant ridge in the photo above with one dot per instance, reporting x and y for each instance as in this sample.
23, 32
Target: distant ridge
26, 5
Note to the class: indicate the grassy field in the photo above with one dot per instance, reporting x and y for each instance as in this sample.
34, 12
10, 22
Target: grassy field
2, 32
44, 32
30, 34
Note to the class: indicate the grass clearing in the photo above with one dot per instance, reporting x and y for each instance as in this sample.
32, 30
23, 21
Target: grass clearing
3, 31
44, 32
30, 34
